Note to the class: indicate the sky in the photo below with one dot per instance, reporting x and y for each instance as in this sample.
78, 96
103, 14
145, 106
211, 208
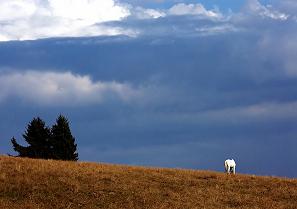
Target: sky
163, 83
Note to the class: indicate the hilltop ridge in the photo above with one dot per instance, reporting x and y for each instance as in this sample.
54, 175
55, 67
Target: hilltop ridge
30, 183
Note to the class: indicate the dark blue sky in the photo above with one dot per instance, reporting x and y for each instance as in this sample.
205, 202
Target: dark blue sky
179, 85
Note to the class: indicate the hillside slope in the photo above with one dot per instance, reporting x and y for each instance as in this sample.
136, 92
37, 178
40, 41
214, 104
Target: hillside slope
28, 183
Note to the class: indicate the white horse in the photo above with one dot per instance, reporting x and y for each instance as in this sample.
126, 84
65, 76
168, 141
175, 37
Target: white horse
230, 166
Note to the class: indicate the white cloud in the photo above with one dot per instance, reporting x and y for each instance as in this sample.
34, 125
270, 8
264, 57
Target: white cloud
87, 11
142, 13
179, 9
288, 6
33, 19
192, 9
15, 9
255, 7
215, 30
52, 88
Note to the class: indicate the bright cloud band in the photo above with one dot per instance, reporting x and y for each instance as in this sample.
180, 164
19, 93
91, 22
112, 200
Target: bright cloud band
35, 19
53, 88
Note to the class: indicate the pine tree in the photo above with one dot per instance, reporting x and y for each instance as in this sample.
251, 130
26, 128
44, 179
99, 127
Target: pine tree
37, 136
23, 151
64, 147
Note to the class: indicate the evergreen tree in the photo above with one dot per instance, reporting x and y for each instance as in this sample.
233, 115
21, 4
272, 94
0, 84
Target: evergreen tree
64, 147
37, 136
23, 151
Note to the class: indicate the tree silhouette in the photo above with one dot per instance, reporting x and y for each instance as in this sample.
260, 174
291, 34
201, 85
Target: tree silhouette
55, 143
64, 147
37, 136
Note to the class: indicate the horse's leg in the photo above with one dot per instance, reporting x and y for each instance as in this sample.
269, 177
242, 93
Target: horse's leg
226, 167
234, 170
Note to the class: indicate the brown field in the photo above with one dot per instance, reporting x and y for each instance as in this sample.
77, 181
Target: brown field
48, 184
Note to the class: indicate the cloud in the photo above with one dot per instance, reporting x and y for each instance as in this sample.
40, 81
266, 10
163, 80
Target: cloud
255, 113
142, 13
179, 9
256, 8
79, 18
192, 9
88, 11
14, 9
33, 19
177, 26
216, 29
289, 6
61, 88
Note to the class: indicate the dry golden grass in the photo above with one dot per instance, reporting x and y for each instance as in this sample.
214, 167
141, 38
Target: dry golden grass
48, 184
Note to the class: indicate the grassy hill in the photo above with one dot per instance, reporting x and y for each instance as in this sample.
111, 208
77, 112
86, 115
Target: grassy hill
28, 183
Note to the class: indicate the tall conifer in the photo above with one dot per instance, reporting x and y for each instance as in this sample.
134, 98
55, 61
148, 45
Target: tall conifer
64, 147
